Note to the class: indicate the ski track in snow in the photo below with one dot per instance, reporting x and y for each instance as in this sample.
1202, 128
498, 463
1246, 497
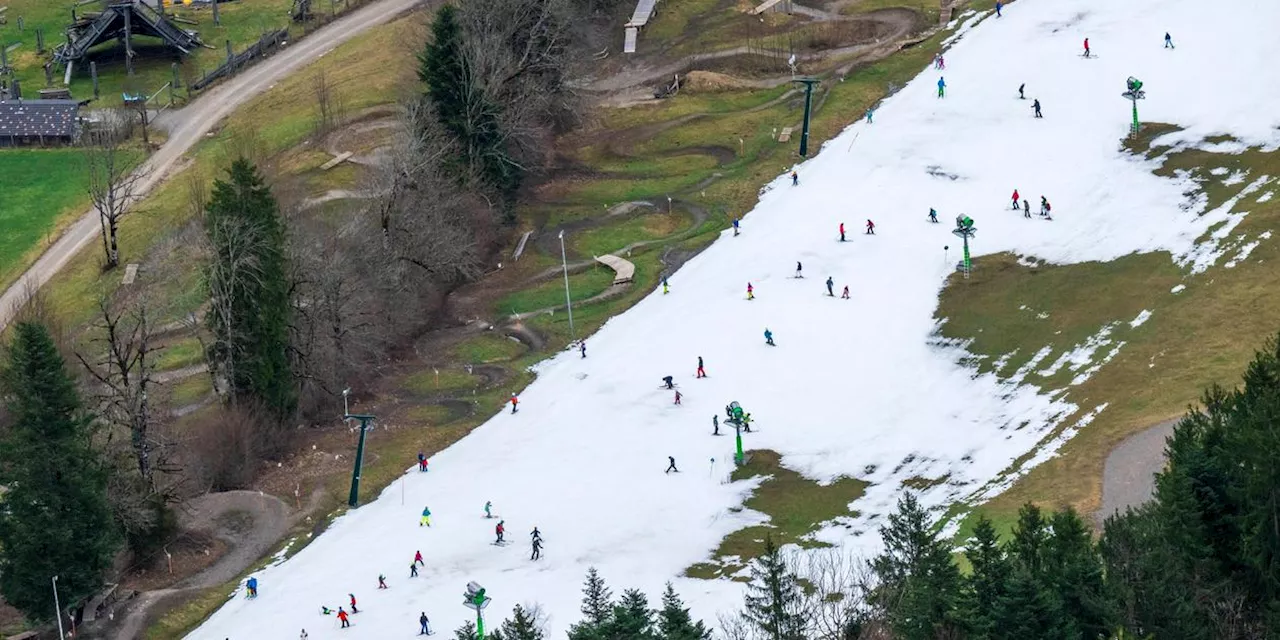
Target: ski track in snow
854, 387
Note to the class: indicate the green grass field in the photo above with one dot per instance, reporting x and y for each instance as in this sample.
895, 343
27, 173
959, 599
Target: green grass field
42, 188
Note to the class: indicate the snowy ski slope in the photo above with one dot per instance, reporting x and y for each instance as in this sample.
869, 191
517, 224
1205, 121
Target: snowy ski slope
854, 387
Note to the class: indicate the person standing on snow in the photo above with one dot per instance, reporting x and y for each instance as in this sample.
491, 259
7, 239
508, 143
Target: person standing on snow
582, 347
1168, 41
413, 570
942, 87
1022, 95
669, 381
1016, 206
303, 635
353, 603
845, 295
672, 466
999, 6
342, 616
665, 288
871, 111
488, 509
417, 559
1047, 211
830, 283
768, 337
252, 586
1087, 53
1044, 205
424, 622
535, 534
841, 232
735, 227
933, 215
382, 581
514, 401
795, 179
702, 372
1035, 105
715, 424
751, 292
798, 270
426, 517
871, 227
1026, 208
537, 549
678, 396
500, 530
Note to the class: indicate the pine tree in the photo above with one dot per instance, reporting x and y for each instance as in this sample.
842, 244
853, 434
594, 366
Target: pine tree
466, 632
442, 68
674, 622
919, 586
249, 285
773, 603
54, 519
632, 618
522, 625
988, 582
1073, 570
597, 607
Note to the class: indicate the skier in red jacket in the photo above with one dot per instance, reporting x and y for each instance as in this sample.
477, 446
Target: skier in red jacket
342, 616
500, 529
1086, 47
514, 401
1015, 199
841, 232
871, 227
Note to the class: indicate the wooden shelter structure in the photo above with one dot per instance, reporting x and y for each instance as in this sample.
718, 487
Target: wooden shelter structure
122, 20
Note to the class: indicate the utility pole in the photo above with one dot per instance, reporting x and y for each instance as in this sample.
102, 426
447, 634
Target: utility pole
568, 301
57, 608
354, 498
808, 109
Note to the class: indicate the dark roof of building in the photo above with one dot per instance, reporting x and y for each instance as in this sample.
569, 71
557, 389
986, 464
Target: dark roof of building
38, 117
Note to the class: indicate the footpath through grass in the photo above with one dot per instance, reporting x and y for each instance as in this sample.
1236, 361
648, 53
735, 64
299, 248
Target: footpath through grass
1202, 329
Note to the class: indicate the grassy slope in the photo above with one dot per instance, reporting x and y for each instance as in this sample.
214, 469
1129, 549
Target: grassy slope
42, 188
1201, 336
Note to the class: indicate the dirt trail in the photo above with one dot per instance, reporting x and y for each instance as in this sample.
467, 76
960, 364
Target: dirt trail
1128, 478
189, 125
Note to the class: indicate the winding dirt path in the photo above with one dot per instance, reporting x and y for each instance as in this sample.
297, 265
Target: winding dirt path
189, 125
1128, 478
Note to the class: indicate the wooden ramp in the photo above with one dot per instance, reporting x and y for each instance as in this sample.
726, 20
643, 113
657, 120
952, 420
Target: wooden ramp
785, 135
623, 270
629, 44
764, 6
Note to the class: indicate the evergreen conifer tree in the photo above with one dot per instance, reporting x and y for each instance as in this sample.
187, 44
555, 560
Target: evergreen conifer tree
773, 602
442, 68
522, 625
465, 632
597, 609
1073, 570
632, 618
249, 282
988, 582
674, 621
919, 588
54, 518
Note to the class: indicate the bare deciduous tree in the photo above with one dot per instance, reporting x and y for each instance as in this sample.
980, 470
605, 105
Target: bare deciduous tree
324, 102
234, 248
112, 183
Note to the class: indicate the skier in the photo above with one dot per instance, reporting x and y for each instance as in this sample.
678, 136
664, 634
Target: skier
841, 232
382, 581
582, 347
715, 424
426, 517
795, 179
942, 63
999, 6
500, 530
936, 58
845, 295
252, 586
665, 289
342, 615
413, 571
1044, 205
1026, 208
422, 461
746, 423
871, 227
326, 610
353, 603
537, 549
514, 401
798, 269
303, 635
768, 337
672, 466
1168, 41
942, 87
702, 372
735, 227
669, 381
933, 216
1036, 106
751, 292
1048, 211
678, 396
424, 622
1086, 48
488, 509
830, 283
871, 112
1022, 91
1015, 200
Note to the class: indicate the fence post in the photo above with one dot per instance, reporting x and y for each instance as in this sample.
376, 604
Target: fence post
93, 73
39, 40
216, 19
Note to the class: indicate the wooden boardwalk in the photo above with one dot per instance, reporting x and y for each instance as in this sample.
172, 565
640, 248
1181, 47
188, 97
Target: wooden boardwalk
623, 270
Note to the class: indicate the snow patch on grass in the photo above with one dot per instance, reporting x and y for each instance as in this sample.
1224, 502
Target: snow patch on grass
1141, 319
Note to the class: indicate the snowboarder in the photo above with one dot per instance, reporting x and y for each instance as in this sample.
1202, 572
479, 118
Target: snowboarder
424, 622
1026, 208
342, 616
735, 227
382, 581
500, 530
514, 401
1022, 95
933, 215
669, 381
841, 232
871, 227
488, 509
845, 295
999, 6
768, 337
1035, 105
795, 179
665, 288
799, 268
678, 396
702, 372
353, 603
942, 87
715, 424
422, 461
1015, 200
1168, 41
413, 571
426, 517
1087, 53
582, 347
830, 283
751, 292
672, 466
537, 549
252, 586
871, 112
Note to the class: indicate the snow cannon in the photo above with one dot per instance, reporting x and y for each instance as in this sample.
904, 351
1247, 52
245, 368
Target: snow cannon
735, 413
1134, 85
